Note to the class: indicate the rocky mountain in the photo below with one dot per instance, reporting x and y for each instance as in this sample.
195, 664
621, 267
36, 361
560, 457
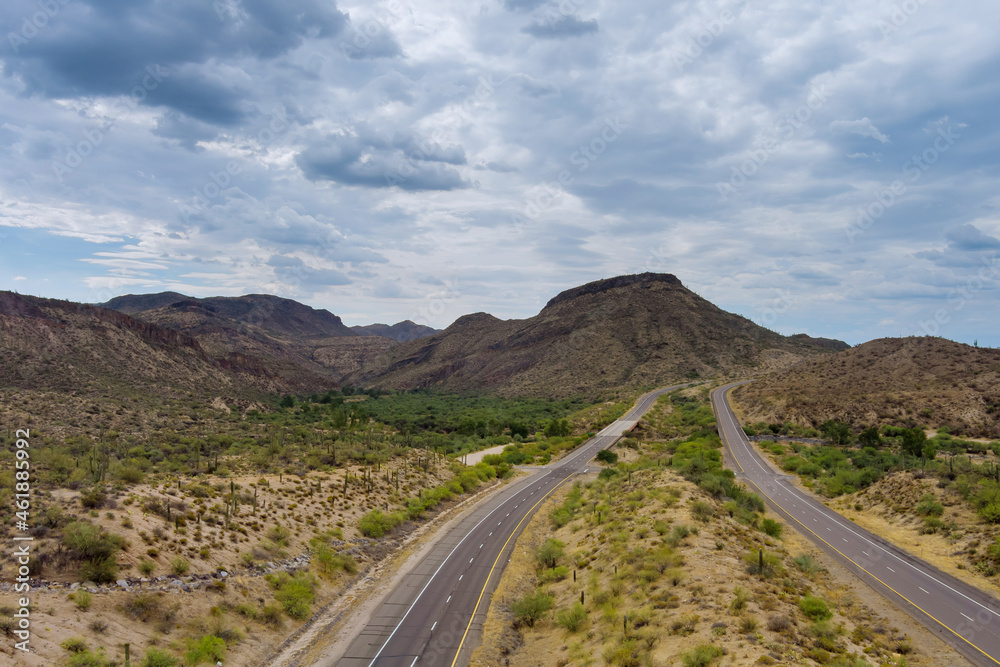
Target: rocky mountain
47, 344
401, 331
636, 330
924, 381
304, 348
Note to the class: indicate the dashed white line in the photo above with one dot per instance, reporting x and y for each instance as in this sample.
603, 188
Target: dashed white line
924, 590
890, 569
434, 626
966, 617
448, 600
415, 658
471, 559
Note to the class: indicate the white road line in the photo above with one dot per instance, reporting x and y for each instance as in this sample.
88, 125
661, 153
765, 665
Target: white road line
924, 590
890, 569
415, 658
966, 617
434, 626
448, 600
471, 559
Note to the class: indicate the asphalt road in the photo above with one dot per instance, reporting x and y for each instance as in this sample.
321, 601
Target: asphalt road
435, 615
962, 615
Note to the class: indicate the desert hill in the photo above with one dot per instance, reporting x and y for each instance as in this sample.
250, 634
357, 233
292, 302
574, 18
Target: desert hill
899, 381
57, 345
401, 331
304, 348
636, 330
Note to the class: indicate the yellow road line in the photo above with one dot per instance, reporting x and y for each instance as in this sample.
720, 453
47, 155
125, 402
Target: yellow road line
848, 558
490, 575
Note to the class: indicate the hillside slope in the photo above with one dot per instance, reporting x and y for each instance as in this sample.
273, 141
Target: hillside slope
900, 381
307, 349
636, 330
59, 345
401, 331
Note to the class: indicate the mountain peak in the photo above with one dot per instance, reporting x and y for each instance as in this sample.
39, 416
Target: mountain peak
614, 283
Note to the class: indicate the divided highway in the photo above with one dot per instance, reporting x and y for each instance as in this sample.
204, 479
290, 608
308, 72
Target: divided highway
434, 616
962, 615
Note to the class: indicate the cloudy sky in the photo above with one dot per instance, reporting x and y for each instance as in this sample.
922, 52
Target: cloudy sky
827, 167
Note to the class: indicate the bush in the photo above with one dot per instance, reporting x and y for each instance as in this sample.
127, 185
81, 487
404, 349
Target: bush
329, 563
156, 658
295, 593
180, 565
377, 523
141, 606
531, 607
75, 645
771, 527
607, 456
101, 571
573, 618
89, 659
146, 567
552, 574
929, 506
205, 649
806, 563
550, 553
766, 566
270, 615
702, 511
88, 542
816, 609
83, 599
701, 656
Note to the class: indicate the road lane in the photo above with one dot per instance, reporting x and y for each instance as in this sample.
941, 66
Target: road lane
434, 616
962, 615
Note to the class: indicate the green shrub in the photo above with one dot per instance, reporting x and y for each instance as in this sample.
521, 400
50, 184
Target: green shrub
806, 564
83, 599
573, 618
101, 570
702, 511
86, 541
701, 656
929, 506
377, 523
815, 608
329, 563
271, 614
552, 574
295, 593
90, 659
205, 649
156, 658
75, 644
146, 567
607, 456
180, 565
550, 553
767, 566
141, 606
531, 607
771, 527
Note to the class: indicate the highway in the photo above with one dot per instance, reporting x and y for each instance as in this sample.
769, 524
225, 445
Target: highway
435, 615
962, 615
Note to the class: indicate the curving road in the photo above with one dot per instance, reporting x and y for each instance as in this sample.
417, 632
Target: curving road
433, 617
962, 615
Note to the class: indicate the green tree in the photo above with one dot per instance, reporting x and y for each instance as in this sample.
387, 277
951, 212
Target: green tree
837, 431
914, 440
870, 437
607, 456
550, 552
